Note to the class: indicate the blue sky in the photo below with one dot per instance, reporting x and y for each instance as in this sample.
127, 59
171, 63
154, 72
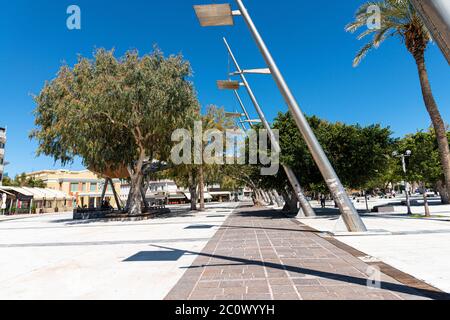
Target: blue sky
307, 39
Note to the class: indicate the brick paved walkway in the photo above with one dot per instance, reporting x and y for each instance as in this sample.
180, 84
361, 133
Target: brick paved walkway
263, 255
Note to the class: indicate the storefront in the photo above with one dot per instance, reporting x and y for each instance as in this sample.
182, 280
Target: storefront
24, 200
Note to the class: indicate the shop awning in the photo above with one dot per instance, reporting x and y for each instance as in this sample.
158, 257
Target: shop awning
6, 192
37, 194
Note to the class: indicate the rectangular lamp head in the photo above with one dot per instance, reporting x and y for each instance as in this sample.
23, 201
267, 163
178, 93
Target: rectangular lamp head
234, 114
214, 15
228, 85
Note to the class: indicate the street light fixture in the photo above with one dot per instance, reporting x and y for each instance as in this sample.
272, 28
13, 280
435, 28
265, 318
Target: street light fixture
350, 215
408, 153
228, 85
234, 114
252, 121
214, 15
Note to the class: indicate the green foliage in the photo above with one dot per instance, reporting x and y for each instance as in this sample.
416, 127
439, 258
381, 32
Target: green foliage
115, 112
398, 18
358, 154
424, 163
22, 181
110, 111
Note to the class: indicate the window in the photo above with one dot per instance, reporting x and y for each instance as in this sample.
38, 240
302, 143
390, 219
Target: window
93, 187
84, 187
74, 187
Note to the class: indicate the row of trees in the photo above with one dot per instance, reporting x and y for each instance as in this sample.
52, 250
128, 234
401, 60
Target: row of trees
119, 113
362, 157
399, 19
22, 180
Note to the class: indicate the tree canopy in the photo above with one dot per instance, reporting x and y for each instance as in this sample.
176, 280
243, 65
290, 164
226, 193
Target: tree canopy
115, 112
358, 154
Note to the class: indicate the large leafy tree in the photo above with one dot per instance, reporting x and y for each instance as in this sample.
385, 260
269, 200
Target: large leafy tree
359, 154
400, 19
423, 165
115, 112
194, 176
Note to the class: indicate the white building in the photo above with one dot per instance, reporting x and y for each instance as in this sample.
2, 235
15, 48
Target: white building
2, 152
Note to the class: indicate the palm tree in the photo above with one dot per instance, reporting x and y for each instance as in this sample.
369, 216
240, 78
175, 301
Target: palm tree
400, 19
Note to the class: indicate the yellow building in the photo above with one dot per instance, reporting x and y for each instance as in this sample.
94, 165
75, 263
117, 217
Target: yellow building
85, 186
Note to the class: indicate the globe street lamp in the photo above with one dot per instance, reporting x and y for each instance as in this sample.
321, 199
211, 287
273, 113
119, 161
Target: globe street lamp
219, 15
408, 153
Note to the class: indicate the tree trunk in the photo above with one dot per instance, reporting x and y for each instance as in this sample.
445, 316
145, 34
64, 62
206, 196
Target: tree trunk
290, 202
367, 201
259, 201
425, 204
276, 198
440, 187
201, 186
135, 196
269, 194
436, 118
193, 191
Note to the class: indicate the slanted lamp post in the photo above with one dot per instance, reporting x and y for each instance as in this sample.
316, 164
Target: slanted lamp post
436, 16
222, 15
305, 206
403, 157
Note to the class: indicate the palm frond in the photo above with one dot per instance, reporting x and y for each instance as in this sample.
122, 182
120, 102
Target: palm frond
362, 54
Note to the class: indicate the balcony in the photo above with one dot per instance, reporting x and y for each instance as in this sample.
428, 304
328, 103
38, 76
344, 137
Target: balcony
2, 136
2, 152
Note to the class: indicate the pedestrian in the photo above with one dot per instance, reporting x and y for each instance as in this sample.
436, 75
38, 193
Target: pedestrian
323, 201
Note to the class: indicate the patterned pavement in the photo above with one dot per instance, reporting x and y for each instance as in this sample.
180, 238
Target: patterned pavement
262, 255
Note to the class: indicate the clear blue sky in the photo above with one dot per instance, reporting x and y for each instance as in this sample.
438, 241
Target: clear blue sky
307, 39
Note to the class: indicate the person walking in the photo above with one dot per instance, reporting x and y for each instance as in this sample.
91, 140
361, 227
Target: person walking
323, 201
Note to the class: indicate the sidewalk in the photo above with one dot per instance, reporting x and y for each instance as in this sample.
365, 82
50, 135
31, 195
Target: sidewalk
260, 254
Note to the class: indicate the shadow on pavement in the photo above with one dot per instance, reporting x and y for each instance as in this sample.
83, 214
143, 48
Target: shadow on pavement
400, 288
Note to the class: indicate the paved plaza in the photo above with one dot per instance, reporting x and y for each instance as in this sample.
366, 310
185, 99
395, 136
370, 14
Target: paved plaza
231, 251
53, 257
263, 255
415, 245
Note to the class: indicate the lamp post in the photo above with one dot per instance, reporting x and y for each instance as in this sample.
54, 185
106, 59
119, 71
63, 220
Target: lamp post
403, 157
219, 15
306, 209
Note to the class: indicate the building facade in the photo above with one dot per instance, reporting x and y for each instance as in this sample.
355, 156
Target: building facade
84, 186
2, 152
24, 200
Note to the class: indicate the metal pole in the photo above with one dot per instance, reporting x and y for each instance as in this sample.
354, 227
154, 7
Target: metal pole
247, 115
350, 215
436, 16
238, 97
306, 209
408, 201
